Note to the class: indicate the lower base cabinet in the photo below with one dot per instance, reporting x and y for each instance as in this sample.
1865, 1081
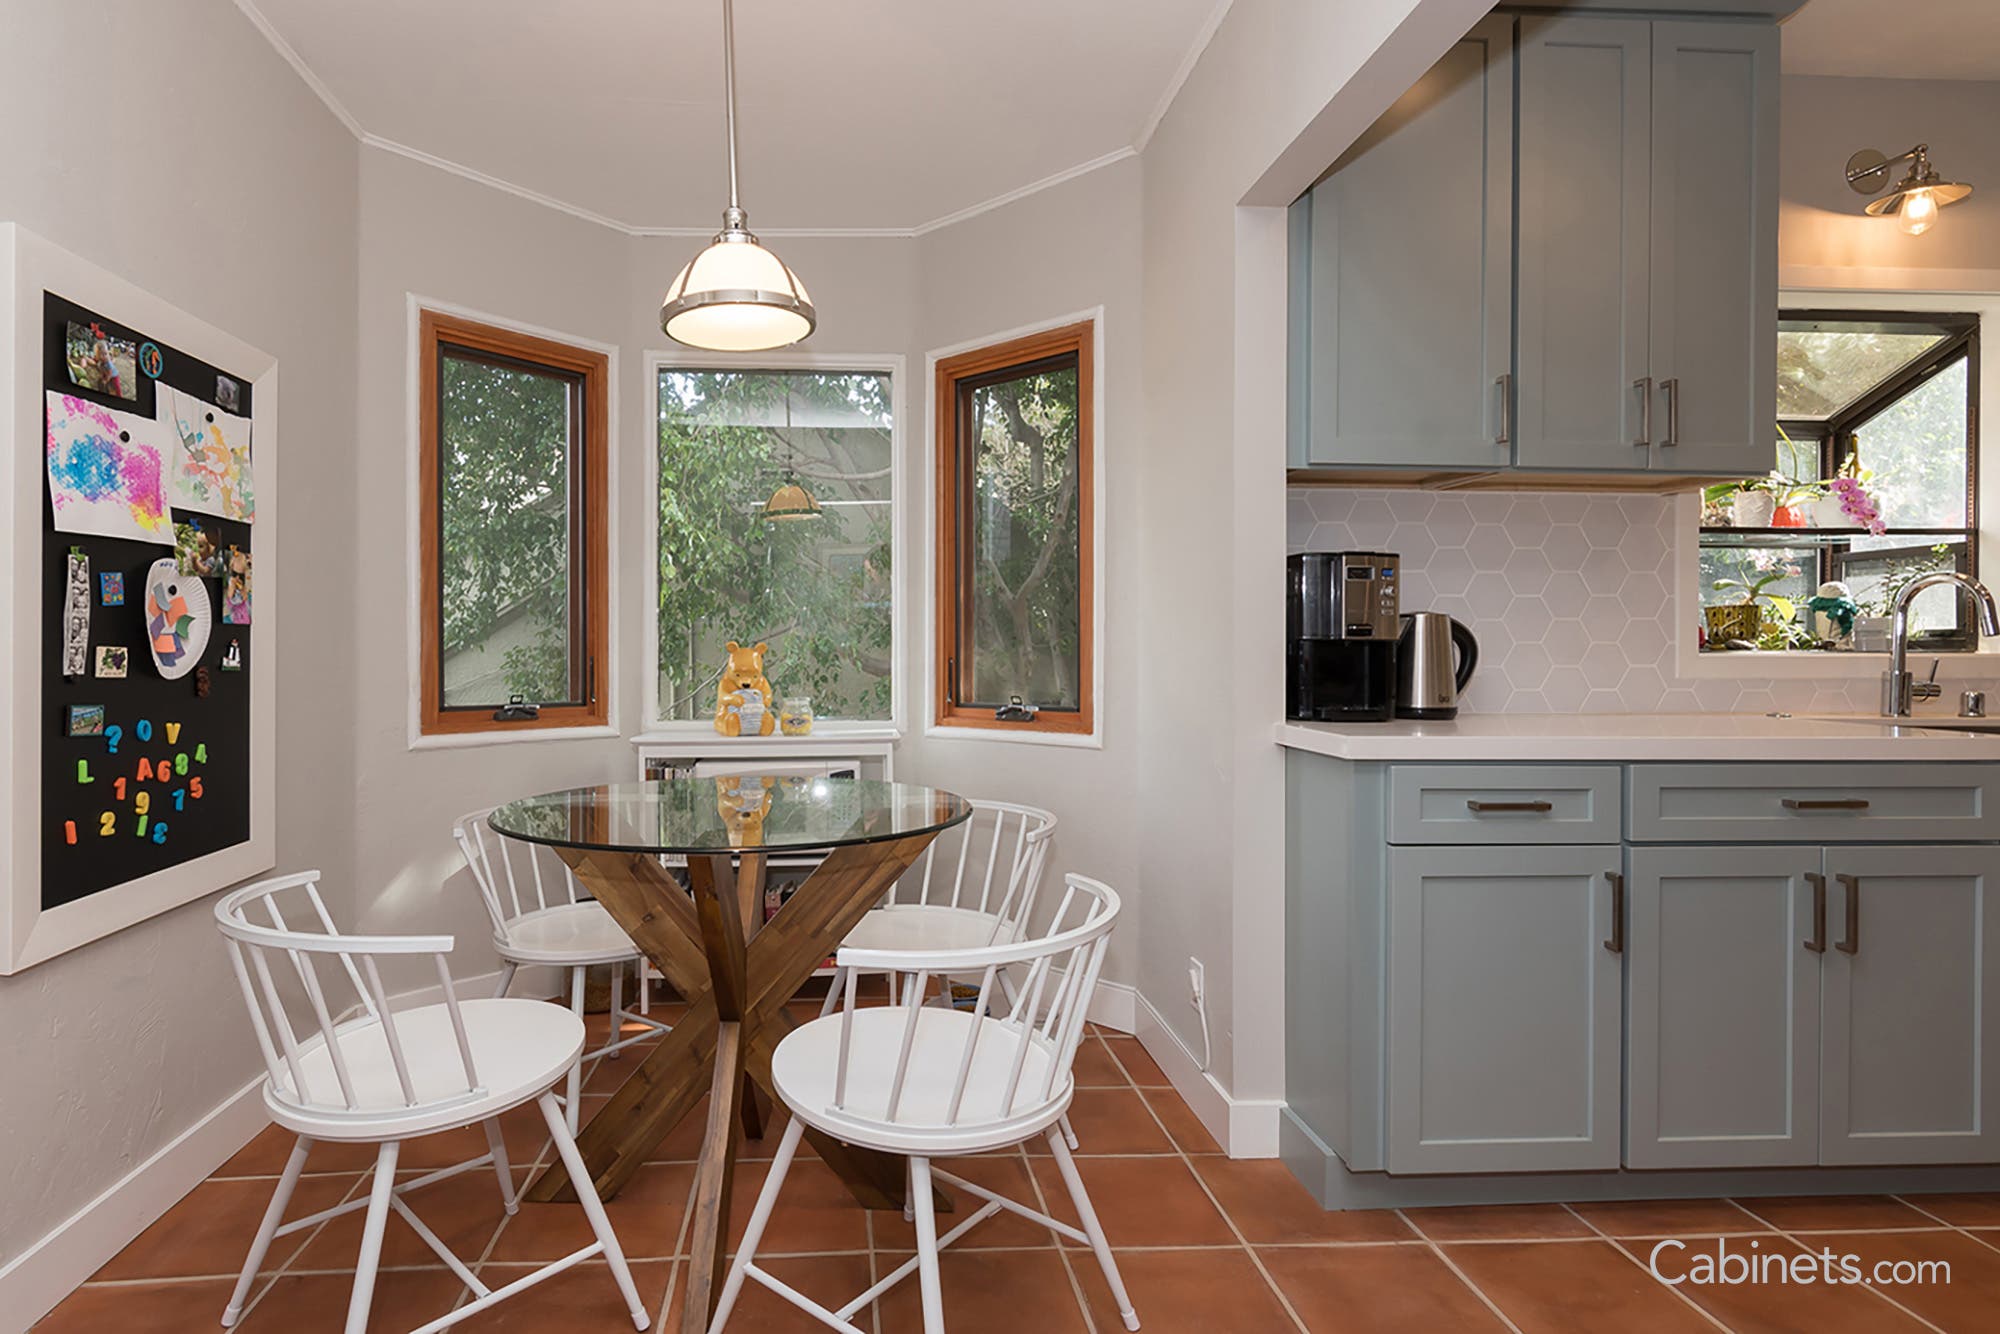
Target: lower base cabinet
1791, 1006
1503, 1009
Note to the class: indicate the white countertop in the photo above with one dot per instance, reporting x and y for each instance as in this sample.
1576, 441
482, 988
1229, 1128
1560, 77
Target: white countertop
1637, 736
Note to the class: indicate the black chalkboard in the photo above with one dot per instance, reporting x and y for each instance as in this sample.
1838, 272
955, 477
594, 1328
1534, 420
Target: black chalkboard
210, 752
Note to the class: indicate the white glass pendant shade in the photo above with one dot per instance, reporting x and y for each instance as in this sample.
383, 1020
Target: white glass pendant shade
736, 296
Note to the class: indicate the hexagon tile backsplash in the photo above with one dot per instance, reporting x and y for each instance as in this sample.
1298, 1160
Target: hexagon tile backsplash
1571, 597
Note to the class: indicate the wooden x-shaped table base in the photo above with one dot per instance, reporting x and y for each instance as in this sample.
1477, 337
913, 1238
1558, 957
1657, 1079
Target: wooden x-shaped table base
736, 979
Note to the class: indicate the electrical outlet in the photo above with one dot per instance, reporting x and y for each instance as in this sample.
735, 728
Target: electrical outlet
1197, 982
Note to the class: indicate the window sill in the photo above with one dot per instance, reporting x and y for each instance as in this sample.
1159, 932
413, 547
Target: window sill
463, 740
704, 734
1072, 740
1981, 666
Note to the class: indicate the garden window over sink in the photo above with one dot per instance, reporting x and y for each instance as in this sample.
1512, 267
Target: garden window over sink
1874, 484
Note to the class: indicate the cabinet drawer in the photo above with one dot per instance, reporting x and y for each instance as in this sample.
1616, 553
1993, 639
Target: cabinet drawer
1813, 803
1470, 803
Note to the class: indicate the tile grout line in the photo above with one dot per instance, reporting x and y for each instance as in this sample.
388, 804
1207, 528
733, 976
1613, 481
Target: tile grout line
1788, 1236
1256, 1261
1647, 1269
1964, 1231
1463, 1277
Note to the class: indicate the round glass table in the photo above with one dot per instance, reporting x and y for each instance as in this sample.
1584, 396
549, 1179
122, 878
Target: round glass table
705, 929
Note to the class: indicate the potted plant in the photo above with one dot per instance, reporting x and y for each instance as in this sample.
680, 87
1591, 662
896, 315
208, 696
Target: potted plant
1752, 504
1846, 503
1744, 619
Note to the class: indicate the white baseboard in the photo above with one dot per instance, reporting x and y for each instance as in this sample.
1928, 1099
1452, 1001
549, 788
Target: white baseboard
1115, 1005
48, 1271
34, 1281
1245, 1127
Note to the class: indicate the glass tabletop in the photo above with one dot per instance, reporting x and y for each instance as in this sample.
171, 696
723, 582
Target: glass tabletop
694, 815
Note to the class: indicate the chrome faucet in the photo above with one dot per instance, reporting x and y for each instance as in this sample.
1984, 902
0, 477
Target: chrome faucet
1899, 687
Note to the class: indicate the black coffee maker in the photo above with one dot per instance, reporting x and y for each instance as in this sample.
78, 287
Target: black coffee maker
1341, 628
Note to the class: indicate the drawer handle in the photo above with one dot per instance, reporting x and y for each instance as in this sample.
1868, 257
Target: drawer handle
1851, 944
1818, 942
1536, 807
1617, 942
1826, 804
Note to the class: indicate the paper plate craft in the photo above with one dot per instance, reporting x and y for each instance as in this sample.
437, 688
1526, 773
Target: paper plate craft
106, 471
211, 470
113, 661
178, 619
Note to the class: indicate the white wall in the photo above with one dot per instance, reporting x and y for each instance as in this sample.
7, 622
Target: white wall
168, 143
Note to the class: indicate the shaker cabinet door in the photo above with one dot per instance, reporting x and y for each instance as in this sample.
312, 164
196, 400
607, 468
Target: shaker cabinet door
1723, 1007
1911, 1006
1503, 1009
1402, 272
1714, 290
1582, 324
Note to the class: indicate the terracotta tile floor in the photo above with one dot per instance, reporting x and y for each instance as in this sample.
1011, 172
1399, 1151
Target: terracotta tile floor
1207, 1245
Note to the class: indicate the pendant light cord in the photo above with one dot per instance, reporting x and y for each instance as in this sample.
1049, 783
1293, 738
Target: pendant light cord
729, 90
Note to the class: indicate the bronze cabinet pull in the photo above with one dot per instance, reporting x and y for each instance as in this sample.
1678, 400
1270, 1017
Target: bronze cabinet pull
1536, 807
1505, 384
1825, 803
1617, 942
1645, 388
1851, 943
1817, 944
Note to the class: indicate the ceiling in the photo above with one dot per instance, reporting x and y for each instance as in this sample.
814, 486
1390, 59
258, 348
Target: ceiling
1895, 39
854, 114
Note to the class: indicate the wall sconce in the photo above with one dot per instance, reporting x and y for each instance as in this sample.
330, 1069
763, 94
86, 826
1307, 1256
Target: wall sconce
1915, 201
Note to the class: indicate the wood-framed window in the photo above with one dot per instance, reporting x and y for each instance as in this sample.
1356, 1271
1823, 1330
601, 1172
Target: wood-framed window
1016, 540
513, 546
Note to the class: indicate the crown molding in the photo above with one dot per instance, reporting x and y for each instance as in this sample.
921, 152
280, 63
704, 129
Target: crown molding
347, 118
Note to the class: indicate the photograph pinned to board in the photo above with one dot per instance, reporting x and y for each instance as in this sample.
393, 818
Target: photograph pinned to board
76, 614
211, 471
102, 363
236, 595
195, 552
111, 588
84, 720
105, 471
178, 619
228, 394
114, 661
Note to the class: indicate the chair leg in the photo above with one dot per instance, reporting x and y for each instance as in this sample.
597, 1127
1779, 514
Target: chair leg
507, 971
645, 987
274, 1214
1069, 1135
377, 1221
836, 987
501, 1167
1091, 1227
617, 1017
753, 1233
593, 1209
573, 1101
927, 1246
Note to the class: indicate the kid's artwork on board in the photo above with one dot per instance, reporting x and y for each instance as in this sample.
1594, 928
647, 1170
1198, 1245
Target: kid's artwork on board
211, 472
178, 619
105, 472
101, 362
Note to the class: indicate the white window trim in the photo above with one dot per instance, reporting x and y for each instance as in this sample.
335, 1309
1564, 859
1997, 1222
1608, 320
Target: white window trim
415, 304
1100, 488
895, 365
1690, 661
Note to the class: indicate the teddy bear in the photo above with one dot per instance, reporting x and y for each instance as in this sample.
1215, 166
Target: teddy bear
741, 679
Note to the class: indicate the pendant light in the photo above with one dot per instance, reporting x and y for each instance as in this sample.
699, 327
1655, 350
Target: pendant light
791, 502
735, 296
1915, 200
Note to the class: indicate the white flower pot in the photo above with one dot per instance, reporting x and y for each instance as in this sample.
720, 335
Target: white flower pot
1752, 509
1827, 513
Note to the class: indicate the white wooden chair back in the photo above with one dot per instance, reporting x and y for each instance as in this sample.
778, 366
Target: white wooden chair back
989, 863
1012, 1053
515, 877
280, 928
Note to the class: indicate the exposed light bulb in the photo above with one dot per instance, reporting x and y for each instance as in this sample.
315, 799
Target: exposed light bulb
1918, 213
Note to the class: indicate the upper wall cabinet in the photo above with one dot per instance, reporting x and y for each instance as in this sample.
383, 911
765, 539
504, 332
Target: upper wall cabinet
1403, 274
1629, 190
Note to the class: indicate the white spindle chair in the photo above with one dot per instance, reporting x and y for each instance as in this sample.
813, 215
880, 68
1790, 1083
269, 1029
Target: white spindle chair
540, 917
356, 1070
928, 1081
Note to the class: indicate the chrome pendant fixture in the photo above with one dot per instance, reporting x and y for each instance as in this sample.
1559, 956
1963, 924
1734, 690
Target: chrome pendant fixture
1916, 199
736, 296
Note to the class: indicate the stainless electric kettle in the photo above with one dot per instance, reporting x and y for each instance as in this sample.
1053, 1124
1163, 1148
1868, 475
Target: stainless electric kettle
1434, 660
